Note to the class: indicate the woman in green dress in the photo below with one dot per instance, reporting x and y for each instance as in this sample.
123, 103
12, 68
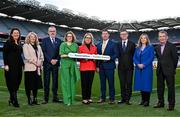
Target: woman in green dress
69, 70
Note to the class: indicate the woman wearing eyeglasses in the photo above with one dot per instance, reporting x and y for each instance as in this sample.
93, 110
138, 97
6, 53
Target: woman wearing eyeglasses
69, 70
87, 67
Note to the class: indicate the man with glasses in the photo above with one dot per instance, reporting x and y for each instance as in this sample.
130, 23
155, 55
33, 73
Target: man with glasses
50, 47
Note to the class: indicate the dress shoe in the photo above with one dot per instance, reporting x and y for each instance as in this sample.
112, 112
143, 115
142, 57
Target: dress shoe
90, 101
142, 102
128, 103
159, 105
57, 100
111, 102
101, 101
30, 102
86, 102
170, 108
45, 102
121, 102
146, 104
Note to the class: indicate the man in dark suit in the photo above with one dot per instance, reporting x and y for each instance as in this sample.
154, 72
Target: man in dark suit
50, 47
106, 68
126, 49
167, 58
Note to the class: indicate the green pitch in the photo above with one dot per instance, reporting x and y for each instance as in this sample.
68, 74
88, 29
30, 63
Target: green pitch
79, 109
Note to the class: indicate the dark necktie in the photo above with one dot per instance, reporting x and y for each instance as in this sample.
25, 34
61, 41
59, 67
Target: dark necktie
53, 42
124, 46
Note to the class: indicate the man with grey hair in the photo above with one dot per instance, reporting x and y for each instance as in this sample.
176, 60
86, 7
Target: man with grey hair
50, 47
167, 58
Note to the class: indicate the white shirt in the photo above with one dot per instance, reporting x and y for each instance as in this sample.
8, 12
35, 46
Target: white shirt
52, 40
126, 41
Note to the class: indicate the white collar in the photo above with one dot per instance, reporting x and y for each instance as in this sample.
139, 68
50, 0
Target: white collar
106, 41
125, 41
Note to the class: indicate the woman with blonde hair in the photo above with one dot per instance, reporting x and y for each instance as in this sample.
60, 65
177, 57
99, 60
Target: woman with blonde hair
33, 64
69, 70
87, 67
143, 59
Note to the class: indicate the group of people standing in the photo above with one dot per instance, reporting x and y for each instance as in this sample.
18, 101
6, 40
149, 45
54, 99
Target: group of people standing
53, 53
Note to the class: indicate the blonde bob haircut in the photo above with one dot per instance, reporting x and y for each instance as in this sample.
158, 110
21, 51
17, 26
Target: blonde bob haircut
27, 39
92, 38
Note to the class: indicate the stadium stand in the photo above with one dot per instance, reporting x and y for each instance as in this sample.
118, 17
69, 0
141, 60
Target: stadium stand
66, 20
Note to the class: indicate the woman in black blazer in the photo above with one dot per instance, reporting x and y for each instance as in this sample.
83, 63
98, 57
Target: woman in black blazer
13, 64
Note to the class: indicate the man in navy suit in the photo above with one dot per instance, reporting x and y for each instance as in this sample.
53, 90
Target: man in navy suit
106, 68
50, 47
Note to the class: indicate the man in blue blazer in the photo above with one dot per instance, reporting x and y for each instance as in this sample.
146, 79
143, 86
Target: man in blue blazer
50, 47
106, 68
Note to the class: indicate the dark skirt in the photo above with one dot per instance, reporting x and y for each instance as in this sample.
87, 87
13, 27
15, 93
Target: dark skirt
13, 79
32, 80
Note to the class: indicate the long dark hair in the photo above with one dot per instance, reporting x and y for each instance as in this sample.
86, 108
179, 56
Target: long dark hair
11, 32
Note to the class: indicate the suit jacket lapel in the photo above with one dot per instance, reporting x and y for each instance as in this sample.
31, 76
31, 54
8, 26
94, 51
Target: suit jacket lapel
165, 48
127, 47
50, 42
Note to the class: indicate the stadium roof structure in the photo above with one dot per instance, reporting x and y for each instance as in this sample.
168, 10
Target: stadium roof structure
32, 10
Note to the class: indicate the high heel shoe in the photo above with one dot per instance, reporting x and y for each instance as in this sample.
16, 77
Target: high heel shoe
30, 102
15, 102
9, 102
35, 102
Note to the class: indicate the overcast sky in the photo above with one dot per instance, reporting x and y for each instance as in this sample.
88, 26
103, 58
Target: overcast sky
122, 10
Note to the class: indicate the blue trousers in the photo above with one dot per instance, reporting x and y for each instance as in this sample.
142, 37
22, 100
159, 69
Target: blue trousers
48, 70
107, 74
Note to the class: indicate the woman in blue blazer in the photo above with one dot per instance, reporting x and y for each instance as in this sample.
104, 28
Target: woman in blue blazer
143, 60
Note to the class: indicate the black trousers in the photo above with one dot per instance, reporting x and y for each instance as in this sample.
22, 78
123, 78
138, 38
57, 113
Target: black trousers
170, 81
86, 83
125, 77
145, 96
34, 92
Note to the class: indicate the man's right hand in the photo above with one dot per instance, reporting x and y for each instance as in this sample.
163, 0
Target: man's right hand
53, 61
97, 69
6, 67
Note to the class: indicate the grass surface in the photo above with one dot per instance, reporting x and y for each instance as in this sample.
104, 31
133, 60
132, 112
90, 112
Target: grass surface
79, 109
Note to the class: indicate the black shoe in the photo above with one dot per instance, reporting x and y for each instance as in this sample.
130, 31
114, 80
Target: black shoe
10, 102
30, 102
101, 101
159, 105
16, 104
142, 102
170, 108
128, 103
146, 104
45, 102
15, 100
121, 102
111, 102
35, 102
56, 100
86, 102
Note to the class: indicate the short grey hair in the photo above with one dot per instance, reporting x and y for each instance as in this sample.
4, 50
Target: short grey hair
164, 32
